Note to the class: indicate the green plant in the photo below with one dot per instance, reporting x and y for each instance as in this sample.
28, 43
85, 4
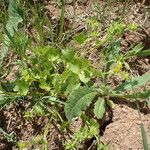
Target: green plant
89, 130
37, 141
12, 25
115, 65
47, 73
55, 76
9, 137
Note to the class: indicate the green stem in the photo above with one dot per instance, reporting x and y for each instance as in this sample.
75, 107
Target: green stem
61, 28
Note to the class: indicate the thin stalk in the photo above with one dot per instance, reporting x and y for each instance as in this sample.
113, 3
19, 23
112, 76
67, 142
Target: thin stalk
74, 12
143, 133
105, 75
106, 69
62, 17
50, 30
71, 30
39, 24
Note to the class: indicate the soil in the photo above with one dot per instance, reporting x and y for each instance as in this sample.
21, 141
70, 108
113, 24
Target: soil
123, 132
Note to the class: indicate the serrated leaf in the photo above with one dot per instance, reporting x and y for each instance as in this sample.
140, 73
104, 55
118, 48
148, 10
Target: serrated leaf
78, 100
49, 52
134, 83
99, 109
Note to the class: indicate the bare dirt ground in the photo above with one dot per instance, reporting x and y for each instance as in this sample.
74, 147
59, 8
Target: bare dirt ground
124, 132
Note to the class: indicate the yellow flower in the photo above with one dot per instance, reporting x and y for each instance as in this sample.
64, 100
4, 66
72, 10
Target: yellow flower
118, 67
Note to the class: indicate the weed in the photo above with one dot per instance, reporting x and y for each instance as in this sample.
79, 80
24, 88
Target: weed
55, 76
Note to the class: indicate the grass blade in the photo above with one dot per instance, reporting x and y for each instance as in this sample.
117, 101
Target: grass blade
144, 53
61, 27
144, 138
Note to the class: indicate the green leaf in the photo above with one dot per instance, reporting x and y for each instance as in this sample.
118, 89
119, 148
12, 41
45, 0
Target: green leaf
22, 87
38, 110
9, 137
71, 83
133, 26
134, 83
69, 55
44, 85
11, 26
52, 54
110, 103
138, 95
80, 38
116, 29
83, 78
144, 138
52, 99
137, 49
78, 100
75, 68
48, 52
6, 99
144, 53
99, 109
22, 144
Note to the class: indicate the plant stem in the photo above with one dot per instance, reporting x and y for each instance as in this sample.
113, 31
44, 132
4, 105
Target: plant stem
61, 27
